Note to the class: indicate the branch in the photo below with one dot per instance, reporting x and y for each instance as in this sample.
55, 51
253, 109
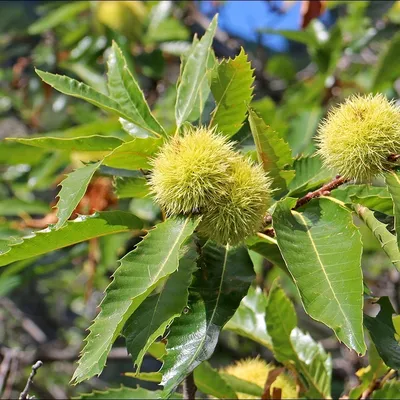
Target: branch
24, 394
323, 191
189, 388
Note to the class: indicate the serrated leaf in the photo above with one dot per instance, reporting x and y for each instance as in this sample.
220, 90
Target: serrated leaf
155, 258
393, 182
85, 143
390, 390
216, 292
310, 175
73, 188
232, 88
375, 198
210, 382
383, 333
79, 230
387, 241
249, 318
122, 393
322, 249
193, 74
72, 87
134, 154
157, 312
295, 349
126, 92
57, 16
131, 187
272, 151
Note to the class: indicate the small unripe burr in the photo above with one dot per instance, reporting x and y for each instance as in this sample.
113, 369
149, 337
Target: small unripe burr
358, 137
191, 170
239, 211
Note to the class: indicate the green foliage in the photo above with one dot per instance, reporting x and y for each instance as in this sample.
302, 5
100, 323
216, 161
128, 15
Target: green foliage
177, 296
127, 290
192, 75
80, 229
383, 333
232, 88
218, 287
73, 188
272, 151
322, 249
291, 346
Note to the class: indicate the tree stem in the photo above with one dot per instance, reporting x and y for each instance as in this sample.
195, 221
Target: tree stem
322, 191
189, 388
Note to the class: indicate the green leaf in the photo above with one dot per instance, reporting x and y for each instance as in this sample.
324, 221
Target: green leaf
232, 88
157, 312
387, 241
249, 318
216, 292
268, 248
73, 188
393, 182
193, 74
13, 207
131, 187
145, 376
155, 258
13, 153
387, 69
58, 16
210, 382
272, 151
383, 333
295, 349
85, 143
80, 229
242, 386
134, 154
310, 175
72, 87
302, 130
376, 198
322, 249
390, 390
122, 393
126, 92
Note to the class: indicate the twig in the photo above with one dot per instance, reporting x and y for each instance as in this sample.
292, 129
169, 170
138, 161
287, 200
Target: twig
189, 387
378, 383
24, 394
323, 191
12, 375
4, 367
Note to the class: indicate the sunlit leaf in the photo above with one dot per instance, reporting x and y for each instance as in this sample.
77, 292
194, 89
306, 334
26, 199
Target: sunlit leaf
192, 75
80, 229
393, 183
322, 249
73, 188
272, 151
218, 287
155, 258
232, 88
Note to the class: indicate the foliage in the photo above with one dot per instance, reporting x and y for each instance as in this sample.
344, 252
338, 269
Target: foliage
184, 195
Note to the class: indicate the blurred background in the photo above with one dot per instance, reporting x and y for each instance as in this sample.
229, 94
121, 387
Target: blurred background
307, 55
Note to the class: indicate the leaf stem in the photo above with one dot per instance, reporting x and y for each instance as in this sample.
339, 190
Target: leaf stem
189, 388
322, 191
24, 394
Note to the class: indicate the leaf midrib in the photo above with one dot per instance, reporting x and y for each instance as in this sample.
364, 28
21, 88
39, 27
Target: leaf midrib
216, 305
300, 216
